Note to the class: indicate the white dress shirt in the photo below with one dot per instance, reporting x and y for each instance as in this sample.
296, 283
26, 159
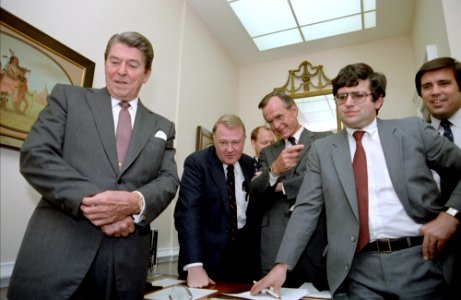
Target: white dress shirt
387, 217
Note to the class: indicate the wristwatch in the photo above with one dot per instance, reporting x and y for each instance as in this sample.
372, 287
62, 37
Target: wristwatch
454, 213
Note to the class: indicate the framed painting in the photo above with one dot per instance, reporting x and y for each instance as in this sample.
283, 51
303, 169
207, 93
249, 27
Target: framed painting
204, 138
32, 62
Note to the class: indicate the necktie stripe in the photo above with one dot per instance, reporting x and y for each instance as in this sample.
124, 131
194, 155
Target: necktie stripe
232, 201
359, 165
123, 132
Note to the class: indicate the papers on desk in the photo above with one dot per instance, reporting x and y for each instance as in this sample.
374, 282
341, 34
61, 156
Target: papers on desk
166, 282
285, 294
315, 293
164, 293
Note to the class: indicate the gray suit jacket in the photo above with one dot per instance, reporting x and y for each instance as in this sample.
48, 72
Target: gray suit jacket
70, 153
410, 148
275, 206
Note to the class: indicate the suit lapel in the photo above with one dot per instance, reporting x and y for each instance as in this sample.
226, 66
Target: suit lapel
391, 143
142, 131
218, 176
100, 104
343, 165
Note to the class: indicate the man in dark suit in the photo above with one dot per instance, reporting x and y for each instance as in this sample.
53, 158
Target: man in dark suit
438, 82
275, 189
212, 235
386, 236
88, 238
260, 137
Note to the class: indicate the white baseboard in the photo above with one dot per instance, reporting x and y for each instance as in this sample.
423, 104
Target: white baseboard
163, 255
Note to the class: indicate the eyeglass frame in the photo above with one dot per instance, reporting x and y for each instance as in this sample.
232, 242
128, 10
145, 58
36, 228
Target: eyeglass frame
362, 97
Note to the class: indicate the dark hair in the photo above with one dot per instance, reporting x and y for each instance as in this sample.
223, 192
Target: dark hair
437, 64
286, 100
255, 132
351, 74
135, 40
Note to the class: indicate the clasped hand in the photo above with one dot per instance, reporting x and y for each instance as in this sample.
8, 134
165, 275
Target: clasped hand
111, 210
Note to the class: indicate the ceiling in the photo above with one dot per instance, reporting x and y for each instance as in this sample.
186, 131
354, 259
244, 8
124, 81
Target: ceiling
394, 18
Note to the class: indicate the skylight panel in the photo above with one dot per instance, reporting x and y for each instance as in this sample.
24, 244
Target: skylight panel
272, 16
274, 23
278, 39
314, 11
331, 28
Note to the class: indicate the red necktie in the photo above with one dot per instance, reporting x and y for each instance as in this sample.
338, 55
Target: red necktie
123, 132
359, 165
232, 200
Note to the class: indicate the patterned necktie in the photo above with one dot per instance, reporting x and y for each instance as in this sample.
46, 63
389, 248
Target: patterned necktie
232, 200
292, 140
123, 132
446, 129
359, 164
447, 185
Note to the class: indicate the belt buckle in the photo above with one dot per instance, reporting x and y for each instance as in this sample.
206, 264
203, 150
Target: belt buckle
389, 248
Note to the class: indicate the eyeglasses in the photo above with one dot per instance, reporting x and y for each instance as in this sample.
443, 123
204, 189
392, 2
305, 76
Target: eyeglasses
357, 97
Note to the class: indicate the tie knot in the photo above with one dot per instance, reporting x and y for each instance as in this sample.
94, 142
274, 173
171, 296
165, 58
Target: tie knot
124, 104
445, 124
230, 168
292, 140
358, 135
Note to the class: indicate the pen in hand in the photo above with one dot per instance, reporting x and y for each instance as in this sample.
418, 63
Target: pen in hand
268, 291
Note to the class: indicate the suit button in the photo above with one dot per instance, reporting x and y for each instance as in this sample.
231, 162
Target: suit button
119, 181
346, 267
352, 238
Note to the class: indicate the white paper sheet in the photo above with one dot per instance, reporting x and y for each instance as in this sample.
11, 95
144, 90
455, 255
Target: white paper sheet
166, 282
163, 293
315, 293
285, 294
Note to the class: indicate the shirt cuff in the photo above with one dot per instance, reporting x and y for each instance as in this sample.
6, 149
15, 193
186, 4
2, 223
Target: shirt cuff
197, 264
138, 218
273, 179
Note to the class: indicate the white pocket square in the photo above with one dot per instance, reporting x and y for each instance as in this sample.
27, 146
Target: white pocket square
161, 135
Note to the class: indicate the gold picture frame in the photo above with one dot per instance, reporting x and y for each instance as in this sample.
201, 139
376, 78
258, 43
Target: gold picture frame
32, 62
204, 138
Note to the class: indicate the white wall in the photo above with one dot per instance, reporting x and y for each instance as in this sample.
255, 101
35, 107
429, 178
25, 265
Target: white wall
393, 57
452, 10
429, 29
193, 82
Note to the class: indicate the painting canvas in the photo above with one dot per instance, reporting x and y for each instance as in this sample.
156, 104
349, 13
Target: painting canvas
31, 64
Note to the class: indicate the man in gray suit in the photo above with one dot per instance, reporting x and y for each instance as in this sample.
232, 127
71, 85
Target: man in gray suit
408, 224
88, 238
274, 191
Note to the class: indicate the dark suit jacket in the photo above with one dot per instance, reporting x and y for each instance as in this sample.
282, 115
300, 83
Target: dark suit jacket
410, 149
275, 206
202, 213
69, 154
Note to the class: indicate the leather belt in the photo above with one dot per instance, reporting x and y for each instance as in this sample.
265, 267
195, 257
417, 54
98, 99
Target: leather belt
390, 245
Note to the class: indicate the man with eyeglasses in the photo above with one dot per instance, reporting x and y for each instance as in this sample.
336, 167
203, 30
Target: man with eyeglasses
210, 215
275, 189
387, 226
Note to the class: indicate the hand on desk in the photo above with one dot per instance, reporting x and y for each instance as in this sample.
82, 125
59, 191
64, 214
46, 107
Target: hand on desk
275, 278
197, 277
